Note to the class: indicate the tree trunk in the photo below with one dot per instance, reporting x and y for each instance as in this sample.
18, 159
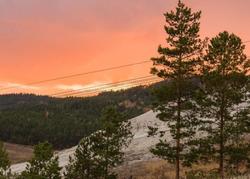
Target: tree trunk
178, 122
106, 160
222, 138
178, 148
221, 152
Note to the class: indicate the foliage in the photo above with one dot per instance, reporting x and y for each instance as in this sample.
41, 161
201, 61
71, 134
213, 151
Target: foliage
4, 163
224, 103
198, 174
99, 153
43, 165
83, 164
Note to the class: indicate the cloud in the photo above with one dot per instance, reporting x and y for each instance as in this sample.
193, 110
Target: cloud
18, 86
83, 15
91, 89
95, 87
82, 87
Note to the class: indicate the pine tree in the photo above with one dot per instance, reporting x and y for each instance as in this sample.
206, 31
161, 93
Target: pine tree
225, 83
99, 153
177, 63
43, 165
4, 163
83, 164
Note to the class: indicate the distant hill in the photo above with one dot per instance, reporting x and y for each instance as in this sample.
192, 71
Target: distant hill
16, 100
29, 119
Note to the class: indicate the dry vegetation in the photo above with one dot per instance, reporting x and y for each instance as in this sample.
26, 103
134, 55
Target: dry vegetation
18, 153
159, 169
155, 169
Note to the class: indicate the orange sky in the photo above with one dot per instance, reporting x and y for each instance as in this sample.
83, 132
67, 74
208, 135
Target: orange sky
42, 39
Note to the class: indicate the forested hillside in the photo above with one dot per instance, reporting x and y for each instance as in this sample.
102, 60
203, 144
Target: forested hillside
29, 119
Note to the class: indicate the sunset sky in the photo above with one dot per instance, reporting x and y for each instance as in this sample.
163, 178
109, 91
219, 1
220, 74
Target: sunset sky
43, 39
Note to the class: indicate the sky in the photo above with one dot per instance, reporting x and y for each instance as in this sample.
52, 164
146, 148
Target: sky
43, 39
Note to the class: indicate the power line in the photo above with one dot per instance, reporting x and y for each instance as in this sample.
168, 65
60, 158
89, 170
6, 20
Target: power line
101, 85
96, 91
107, 90
82, 74
79, 74
106, 86
248, 41
125, 86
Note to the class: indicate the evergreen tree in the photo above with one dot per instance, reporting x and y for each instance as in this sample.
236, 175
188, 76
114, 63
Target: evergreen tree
4, 163
225, 83
43, 165
115, 135
83, 165
178, 63
97, 154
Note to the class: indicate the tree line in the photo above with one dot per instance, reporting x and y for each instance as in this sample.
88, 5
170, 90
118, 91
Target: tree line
95, 156
63, 122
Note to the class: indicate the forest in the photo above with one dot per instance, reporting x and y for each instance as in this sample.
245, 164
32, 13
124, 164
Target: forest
29, 119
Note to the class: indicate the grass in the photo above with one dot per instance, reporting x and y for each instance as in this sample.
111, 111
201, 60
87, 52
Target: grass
154, 169
159, 169
18, 153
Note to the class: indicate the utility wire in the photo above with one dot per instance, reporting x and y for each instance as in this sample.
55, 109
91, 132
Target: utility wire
125, 86
82, 74
119, 84
79, 74
84, 93
99, 90
94, 93
101, 85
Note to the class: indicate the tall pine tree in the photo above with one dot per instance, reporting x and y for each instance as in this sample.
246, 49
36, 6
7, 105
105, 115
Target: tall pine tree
225, 85
178, 64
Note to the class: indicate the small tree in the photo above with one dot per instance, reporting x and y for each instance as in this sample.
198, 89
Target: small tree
178, 64
4, 163
115, 135
43, 165
83, 165
225, 83
99, 153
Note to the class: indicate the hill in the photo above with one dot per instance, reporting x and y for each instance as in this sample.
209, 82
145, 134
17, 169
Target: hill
139, 162
28, 119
